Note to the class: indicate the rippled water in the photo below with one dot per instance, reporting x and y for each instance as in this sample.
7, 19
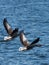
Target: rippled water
33, 17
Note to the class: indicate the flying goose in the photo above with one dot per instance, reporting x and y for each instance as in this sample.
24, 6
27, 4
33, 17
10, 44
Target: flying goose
26, 43
12, 33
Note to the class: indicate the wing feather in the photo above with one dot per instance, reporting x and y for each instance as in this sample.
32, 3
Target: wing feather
23, 39
7, 26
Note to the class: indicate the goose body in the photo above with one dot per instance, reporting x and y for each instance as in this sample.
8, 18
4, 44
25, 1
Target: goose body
12, 33
26, 43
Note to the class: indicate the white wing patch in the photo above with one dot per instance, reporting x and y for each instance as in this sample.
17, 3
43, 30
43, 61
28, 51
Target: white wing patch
8, 26
24, 38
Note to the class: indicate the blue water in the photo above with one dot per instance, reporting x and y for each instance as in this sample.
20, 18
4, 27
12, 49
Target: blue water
33, 17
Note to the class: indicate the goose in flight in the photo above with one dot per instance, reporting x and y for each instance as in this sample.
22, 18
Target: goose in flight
26, 43
12, 33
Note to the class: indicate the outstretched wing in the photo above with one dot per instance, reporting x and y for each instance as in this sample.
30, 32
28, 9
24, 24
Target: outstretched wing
35, 41
7, 26
33, 44
23, 39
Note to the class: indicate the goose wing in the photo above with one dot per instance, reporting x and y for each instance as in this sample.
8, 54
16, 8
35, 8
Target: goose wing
35, 41
23, 39
7, 26
33, 44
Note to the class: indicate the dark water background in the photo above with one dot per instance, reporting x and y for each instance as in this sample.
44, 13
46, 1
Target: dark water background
33, 17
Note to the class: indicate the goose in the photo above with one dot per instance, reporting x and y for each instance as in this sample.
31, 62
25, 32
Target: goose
27, 44
12, 33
